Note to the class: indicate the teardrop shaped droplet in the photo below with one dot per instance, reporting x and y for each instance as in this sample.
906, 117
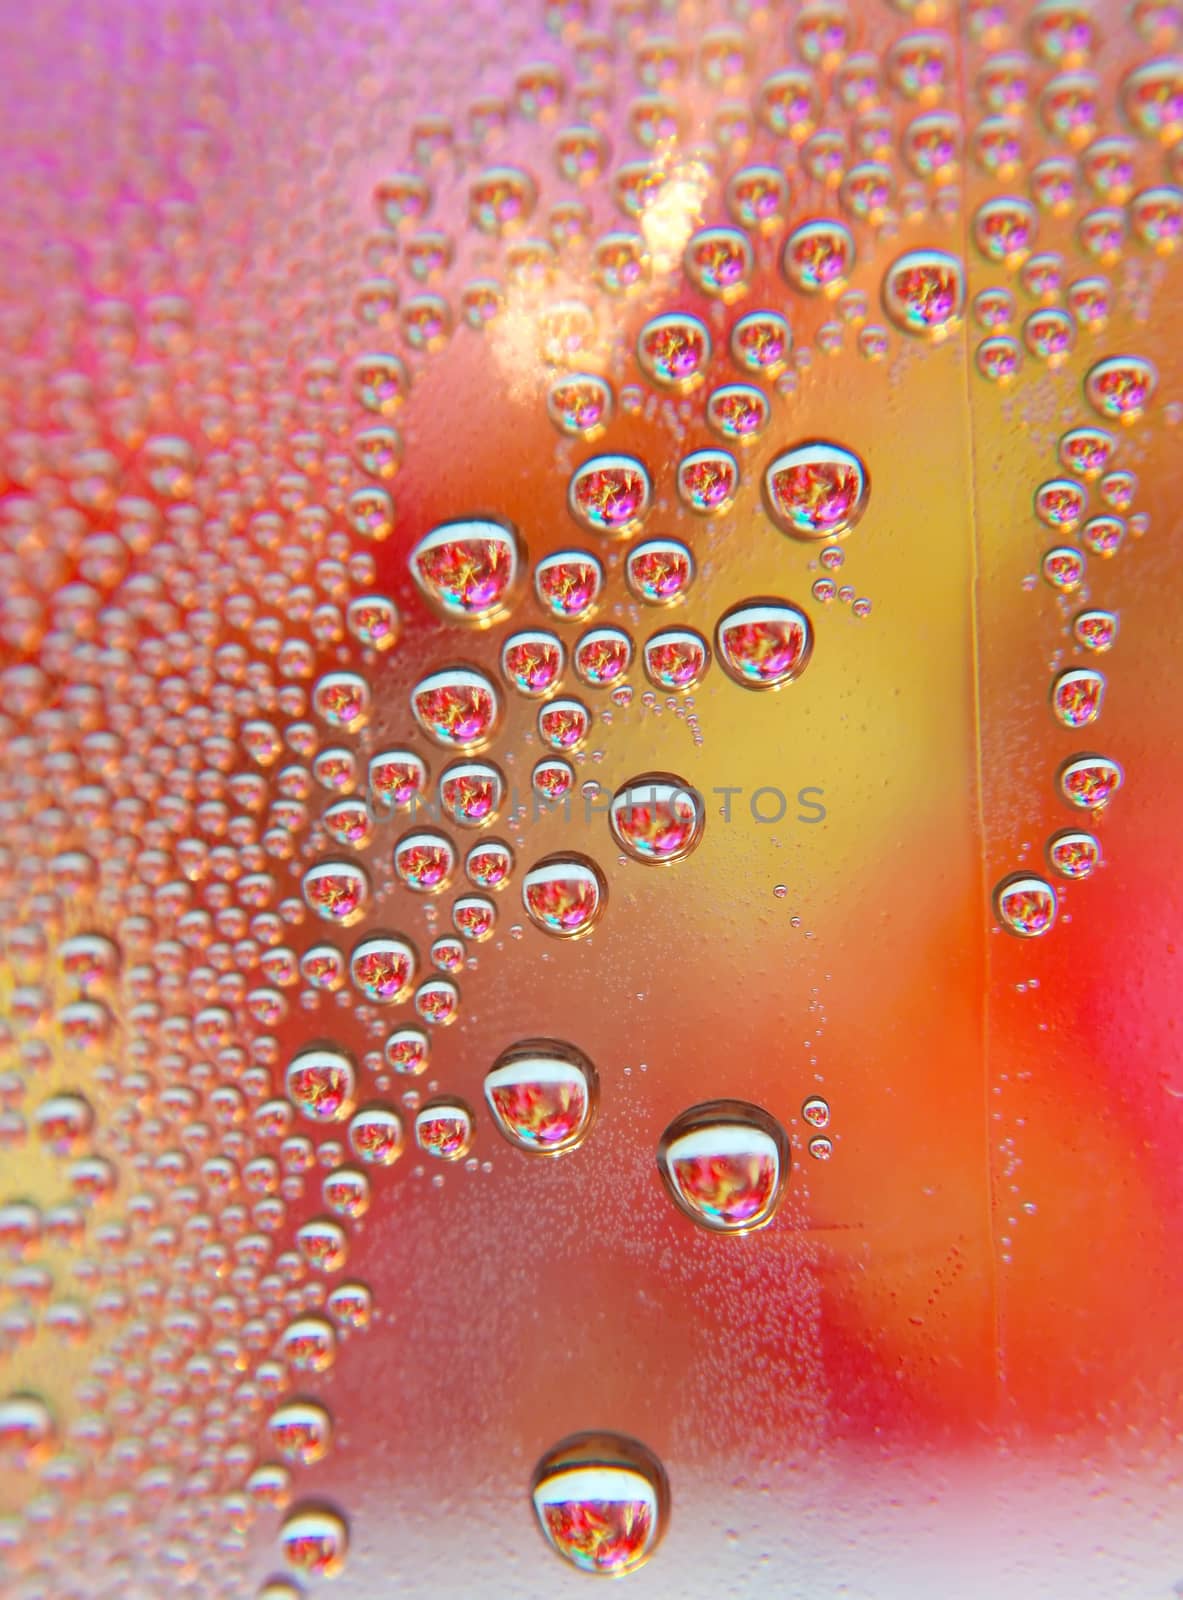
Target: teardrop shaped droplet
725, 1164
602, 1502
543, 1095
564, 895
764, 643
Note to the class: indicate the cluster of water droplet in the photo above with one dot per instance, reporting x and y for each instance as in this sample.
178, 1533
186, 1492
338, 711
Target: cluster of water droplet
215, 863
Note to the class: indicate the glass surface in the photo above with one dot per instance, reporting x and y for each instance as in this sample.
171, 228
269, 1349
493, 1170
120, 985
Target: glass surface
590, 855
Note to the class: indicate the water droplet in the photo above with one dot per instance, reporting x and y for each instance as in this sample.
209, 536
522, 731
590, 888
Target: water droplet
708, 481
458, 707
816, 1111
323, 1244
322, 966
471, 792
408, 1050
602, 656
676, 659
533, 662
1077, 696
1005, 230
718, 261
1049, 335
1025, 905
568, 584
26, 1429
501, 199
602, 1502
1152, 98
757, 197
320, 1084
660, 571
382, 969
1089, 782
816, 490
309, 1344
315, 1541
469, 570
761, 343
1086, 451
337, 891
764, 643
489, 865
342, 699
1095, 630
552, 778
1063, 569
725, 1164
301, 1432
1073, 853
444, 1129
564, 724
543, 1095
821, 1148
1121, 387
610, 495
474, 917
924, 293
674, 351
424, 861
564, 895
739, 412
998, 359
579, 404
819, 257
438, 1002
398, 778
376, 1133
657, 817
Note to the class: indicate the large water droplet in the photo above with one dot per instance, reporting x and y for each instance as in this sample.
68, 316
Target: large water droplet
568, 584
763, 643
1077, 695
543, 1095
469, 570
564, 895
301, 1432
657, 817
1073, 853
424, 861
725, 1164
924, 293
602, 1502
1089, 782
383, 969
674, 351
472, 792
660, 571
816, 490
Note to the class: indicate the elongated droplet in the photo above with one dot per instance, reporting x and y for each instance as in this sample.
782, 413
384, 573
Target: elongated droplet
543, 1095
725, 1164
602, 1502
